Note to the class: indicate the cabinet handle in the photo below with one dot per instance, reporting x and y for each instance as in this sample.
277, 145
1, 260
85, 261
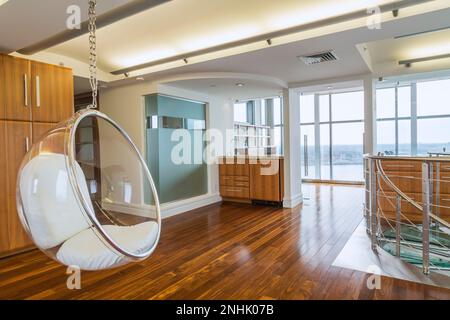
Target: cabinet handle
38, 92
27, 144
25, 89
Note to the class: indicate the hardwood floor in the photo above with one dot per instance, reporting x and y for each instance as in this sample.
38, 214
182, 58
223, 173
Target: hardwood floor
230, 251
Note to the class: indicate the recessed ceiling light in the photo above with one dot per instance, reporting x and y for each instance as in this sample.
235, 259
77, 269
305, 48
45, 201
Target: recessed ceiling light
239, 84
330, 87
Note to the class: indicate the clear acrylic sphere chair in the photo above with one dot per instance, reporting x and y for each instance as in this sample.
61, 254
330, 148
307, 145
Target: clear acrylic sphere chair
86, 197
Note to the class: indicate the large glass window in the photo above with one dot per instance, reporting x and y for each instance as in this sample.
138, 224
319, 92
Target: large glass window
433, 98
308, 155
278, 124
337, 151
412, 124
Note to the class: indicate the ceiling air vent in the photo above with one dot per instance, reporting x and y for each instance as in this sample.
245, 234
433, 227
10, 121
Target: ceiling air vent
319, 58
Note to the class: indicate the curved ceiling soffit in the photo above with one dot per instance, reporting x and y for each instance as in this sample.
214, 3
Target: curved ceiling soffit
223, 75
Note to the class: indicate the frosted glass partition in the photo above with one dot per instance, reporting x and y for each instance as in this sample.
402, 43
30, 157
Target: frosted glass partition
176, 181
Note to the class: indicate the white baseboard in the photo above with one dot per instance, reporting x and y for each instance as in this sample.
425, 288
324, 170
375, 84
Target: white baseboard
293, 202
167, 209
177, 207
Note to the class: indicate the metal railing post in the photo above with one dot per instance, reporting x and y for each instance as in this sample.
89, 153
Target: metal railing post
367, 195
373, 204
426, 218
438, 191
398, 226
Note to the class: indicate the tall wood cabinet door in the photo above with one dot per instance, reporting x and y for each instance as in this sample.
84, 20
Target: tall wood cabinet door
265, 181
18, 138
4, 230
2, 89
43, 94
64, 96
52, 92
17, 88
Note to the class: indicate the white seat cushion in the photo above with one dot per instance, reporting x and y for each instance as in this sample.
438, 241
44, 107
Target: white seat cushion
49, 201
88, 252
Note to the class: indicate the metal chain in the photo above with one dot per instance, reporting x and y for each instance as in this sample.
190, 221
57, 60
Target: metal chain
93, 52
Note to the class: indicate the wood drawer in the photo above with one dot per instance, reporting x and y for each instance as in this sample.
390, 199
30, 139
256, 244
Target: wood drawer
238, 183
401, 165
235, 169
227, 181
242, 178
235, 192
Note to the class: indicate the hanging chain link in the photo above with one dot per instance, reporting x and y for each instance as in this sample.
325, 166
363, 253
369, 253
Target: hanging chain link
93, 52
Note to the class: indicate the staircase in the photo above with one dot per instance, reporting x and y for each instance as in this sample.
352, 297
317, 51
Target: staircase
406, 211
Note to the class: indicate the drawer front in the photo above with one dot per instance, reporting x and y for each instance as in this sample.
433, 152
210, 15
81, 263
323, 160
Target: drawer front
238, 183
242, 178
235, 192
401, 165
227, 181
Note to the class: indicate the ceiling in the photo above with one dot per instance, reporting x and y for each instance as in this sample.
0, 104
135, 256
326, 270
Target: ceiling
33, 23
235, 88
281, 61
181, 26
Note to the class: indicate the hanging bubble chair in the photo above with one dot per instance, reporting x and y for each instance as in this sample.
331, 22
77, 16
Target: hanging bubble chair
89, 204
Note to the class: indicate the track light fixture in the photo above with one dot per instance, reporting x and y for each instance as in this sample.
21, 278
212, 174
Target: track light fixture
408, 63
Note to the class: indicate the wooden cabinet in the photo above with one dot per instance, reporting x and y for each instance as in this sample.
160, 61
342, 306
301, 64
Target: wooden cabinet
15, 144
16, 88
252, 180
4, 230
52, 92
267, 180
2, 89
34, 96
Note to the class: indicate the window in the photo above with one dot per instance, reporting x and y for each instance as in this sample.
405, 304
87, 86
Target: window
399, 114
240, 112
278, 124
307, 108
277, 112
263, 112
394, 120
433, 98
385, 103
308, 155
337, 151
347, 106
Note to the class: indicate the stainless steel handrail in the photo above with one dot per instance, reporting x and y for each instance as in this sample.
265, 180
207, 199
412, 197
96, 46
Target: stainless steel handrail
402, 194
409, 158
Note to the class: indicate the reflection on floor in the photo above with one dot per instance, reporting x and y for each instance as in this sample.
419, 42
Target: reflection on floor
230, 251
357, 255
